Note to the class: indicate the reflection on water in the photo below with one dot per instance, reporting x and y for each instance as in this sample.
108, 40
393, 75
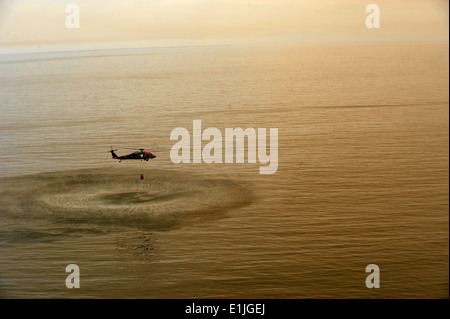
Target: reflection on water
137, 246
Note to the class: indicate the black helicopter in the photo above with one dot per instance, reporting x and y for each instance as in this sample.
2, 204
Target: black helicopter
141, 154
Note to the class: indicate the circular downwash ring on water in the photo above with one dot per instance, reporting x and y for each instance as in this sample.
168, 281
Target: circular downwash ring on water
163, 199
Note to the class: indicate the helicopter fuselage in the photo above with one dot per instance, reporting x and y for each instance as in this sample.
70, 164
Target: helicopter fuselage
134, 156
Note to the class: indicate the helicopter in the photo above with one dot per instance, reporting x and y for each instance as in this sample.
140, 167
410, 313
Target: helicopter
141, 154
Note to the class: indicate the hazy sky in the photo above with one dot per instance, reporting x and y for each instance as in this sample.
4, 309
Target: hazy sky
42, 22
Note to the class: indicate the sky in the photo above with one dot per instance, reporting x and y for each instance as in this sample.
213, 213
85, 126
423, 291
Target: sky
40, 24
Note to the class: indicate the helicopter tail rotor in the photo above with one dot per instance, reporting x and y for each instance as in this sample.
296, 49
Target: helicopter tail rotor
111, 151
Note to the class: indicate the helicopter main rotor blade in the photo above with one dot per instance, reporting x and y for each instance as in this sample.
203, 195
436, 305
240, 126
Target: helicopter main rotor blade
147, 149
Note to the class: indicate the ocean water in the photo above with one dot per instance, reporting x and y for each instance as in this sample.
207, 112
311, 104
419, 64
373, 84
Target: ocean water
363, 173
